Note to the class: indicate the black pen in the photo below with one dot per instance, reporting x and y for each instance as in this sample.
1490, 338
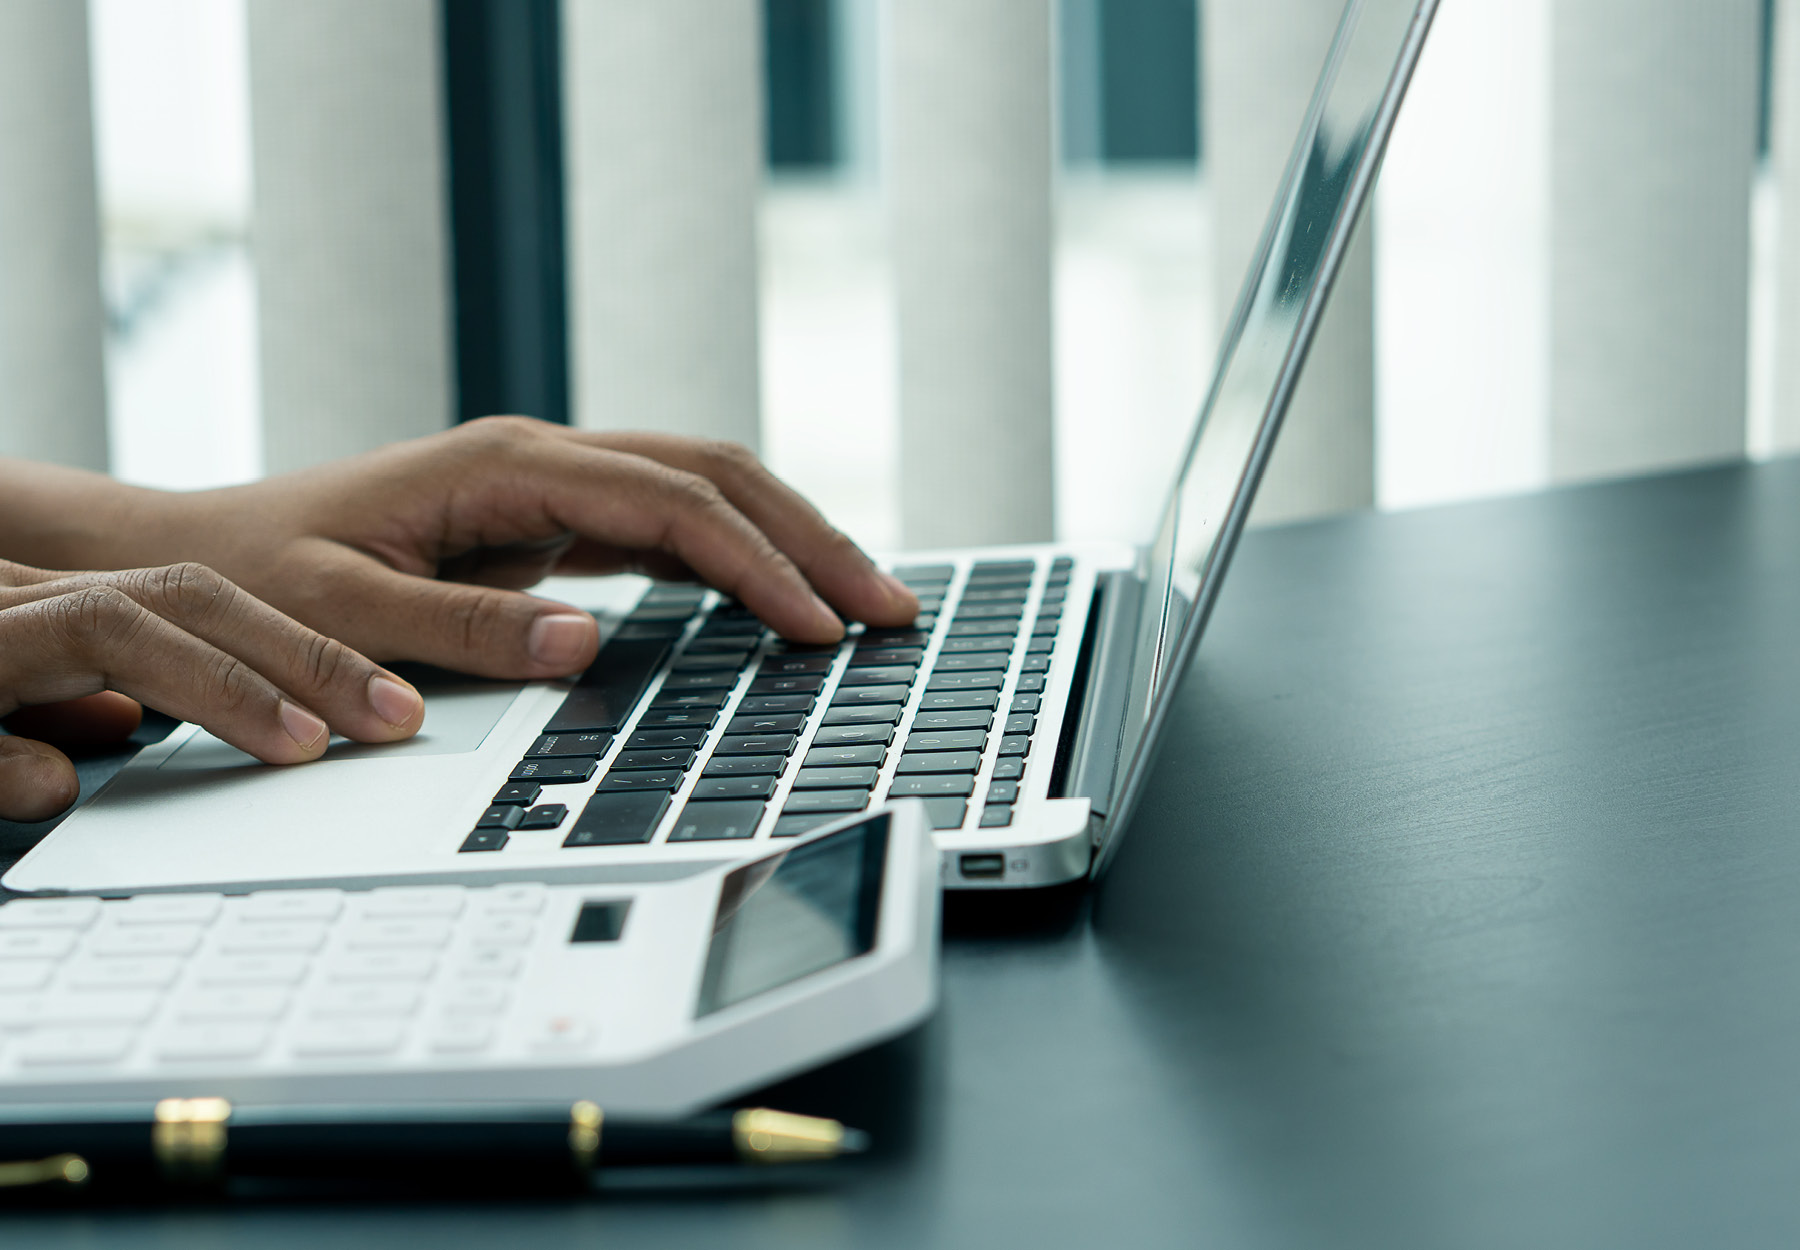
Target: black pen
200, 1141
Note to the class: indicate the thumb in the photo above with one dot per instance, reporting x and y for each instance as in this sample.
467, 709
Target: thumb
388, 616
36, 781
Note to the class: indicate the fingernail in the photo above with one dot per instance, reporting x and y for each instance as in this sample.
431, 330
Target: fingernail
394, 703
897, 588
302, 726
561, 641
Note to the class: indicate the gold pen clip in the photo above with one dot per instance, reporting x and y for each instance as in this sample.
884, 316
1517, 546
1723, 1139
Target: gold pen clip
56, 1170
188, 1139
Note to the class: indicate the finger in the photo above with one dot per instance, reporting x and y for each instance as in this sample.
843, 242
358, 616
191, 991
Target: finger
356, 697
472, 629
36, 781
98, 638
95, 723
834, 564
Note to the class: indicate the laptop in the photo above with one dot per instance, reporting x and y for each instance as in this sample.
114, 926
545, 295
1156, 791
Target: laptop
1023, 706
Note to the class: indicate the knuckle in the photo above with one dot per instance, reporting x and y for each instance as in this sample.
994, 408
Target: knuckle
325, 660
230, 685
102, 617
734, 458
500, 433
187, 591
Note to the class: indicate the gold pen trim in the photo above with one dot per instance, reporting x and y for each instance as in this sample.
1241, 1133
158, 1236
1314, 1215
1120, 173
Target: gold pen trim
188, 1139
765, 1136
585, 1121
63, 1169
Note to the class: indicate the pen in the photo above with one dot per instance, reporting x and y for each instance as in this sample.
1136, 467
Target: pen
200, 1141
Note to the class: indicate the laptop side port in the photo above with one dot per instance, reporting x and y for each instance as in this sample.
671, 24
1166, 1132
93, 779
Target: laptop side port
980, 867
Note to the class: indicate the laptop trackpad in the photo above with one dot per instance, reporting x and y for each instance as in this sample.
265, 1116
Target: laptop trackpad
459, 714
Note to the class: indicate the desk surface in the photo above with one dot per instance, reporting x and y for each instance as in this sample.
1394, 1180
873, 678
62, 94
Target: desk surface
1464, 910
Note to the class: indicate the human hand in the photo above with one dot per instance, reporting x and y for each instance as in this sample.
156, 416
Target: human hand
77, 648
420, 550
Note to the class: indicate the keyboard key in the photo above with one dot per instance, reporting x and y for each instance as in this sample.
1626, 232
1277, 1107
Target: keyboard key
20, 975
836, 778
1009, 770
826, 801
768, 723
648, 613
720, 645
1008, 596
910, 573
663, 740
473, 998
745, 766
166, 909
896, 637
710, 662
386, 934
267, 937
977, 644
364, 1000
796, 664
618, 818
876, 714
718, 626
996, 816
49, 913
733, 788
343, 1039
264, 970
192, 1043
1045, 628
1035, 664
664, 632
981, 662
149, 939
792, 826
240, 1003
988, 612
500, 816
575, 746
949, 740
945, 813
973, 719
1003, 792
712, 679
834, 757
36, 943
1040, 646
1015, 744
117, 1007
989, 629
958, 700
381, 966
652, 760
678, 718
932, 787
74, 1047
940, 762
880, 675
871, 657
146, 973
756, 744
523, 898
610, 688
485, 840
554, 772
663, 780
689, 700
709, 822
853, 735
459, 1035
1030, 683
499, 930
965, 681
1025, 702
862, 696
488, 962
991, 568
549, 816
518, 793
805, 683
756, 705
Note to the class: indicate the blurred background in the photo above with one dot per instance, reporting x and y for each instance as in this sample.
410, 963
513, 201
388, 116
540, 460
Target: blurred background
876, 238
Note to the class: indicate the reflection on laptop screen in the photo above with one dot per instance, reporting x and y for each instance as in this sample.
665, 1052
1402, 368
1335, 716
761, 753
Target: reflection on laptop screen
1327, 180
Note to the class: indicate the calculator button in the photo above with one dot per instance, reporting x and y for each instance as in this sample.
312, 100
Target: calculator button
381, 966
147, 972
69, 1047
347, 1038
408, 902
252, 970
291, 905
460, 1035
474, 998
254, 939
36, 943
165, 909
562, 1035
500, 931
245, 1003
116, 1007
25, 974
377, 998
148, 939
49, 913
525, 899
397, 933
488, 961
193, 1042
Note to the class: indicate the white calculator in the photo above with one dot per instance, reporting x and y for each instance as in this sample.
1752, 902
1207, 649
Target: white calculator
658, 998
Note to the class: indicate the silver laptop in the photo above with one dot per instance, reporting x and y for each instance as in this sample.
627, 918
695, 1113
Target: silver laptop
1023, 706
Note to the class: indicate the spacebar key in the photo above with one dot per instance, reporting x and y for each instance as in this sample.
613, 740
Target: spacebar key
618, 818
610, 687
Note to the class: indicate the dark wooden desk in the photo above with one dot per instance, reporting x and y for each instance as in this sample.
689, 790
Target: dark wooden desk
1464, 912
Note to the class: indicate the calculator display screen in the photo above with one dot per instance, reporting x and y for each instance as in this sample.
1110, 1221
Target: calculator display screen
794, 914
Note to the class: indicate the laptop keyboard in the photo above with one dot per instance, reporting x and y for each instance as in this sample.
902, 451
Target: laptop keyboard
782, 737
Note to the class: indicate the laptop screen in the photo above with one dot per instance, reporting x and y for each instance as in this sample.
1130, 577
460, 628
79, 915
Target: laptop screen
1327, 180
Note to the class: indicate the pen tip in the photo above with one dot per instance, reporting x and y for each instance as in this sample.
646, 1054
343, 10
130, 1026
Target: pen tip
854, 1142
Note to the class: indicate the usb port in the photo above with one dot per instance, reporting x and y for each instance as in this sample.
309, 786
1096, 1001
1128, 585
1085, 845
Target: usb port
983, 866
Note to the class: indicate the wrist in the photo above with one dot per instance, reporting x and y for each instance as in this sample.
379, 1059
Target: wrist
58, 518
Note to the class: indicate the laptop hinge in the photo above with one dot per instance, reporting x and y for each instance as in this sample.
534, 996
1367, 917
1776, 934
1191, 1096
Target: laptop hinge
1104, 677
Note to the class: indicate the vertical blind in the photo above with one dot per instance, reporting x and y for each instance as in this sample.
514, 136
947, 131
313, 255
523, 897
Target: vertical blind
1651, 161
